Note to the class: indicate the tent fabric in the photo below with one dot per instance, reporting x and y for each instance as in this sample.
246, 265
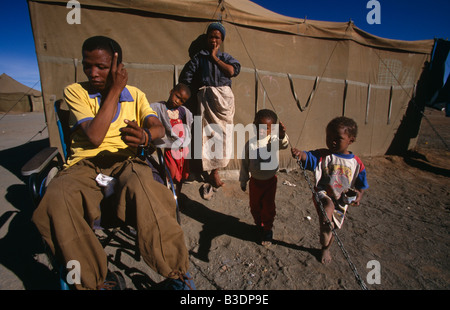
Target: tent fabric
16, 97
346, 70
247, 13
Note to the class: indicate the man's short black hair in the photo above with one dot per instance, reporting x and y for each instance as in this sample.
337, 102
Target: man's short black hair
103, 43
266, 113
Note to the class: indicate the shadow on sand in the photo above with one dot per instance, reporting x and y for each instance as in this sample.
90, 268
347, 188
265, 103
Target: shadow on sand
22, 242
216, 224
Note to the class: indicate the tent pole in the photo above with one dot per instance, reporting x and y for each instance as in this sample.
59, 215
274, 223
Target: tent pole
367, 103
256, 91
390, 105
345, 98
75, 64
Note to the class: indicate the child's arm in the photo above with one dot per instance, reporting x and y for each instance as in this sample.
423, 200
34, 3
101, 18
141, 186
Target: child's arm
244, 172
282, 131
361, 184
283, 137
243, 175
298, 154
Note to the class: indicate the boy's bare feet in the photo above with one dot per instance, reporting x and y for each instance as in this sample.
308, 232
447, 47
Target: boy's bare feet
326, 238
266, 239
326, 256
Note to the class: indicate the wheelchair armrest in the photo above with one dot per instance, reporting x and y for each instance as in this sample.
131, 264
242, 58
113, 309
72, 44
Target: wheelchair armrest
40, 161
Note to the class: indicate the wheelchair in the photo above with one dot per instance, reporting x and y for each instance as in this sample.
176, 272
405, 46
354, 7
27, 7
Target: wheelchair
43, 166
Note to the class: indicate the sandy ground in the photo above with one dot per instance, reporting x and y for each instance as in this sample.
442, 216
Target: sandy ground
403, 224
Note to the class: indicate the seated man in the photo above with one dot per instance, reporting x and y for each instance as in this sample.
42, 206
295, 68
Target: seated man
109, 120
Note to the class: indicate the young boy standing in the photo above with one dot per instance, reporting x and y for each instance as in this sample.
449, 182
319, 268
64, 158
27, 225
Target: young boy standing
259, 163
337, 170
177, 121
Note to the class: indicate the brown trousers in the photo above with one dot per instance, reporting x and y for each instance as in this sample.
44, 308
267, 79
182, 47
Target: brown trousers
70, 206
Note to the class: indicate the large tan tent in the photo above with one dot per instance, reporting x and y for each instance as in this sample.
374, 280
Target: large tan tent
16, 97
331, 68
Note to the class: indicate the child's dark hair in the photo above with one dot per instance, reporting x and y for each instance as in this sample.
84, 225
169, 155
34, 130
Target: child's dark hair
350, 125
181, 86
265, 113
103, 43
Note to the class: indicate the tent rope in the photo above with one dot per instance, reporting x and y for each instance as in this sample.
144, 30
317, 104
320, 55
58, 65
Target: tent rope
39, 132
432, 127
248, 53
319, 79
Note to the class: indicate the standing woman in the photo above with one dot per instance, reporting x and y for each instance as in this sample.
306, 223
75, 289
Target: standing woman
211, 70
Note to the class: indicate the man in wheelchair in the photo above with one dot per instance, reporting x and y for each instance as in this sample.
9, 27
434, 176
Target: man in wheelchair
109, 121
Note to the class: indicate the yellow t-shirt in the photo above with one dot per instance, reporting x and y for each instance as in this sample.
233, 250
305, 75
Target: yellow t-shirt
84, 106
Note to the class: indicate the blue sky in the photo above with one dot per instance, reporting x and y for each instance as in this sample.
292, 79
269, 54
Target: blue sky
400, 19
17, 52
